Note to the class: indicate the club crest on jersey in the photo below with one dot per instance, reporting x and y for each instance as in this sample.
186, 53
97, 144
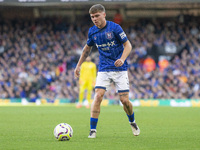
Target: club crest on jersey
95, 38
109, 35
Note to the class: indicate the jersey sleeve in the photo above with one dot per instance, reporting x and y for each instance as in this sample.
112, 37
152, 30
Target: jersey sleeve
90, 41
121, 35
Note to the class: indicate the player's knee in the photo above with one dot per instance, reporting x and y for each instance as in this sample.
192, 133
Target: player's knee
98, 95
125, 102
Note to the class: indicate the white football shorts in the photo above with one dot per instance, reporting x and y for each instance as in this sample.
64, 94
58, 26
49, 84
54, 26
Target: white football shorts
120, 79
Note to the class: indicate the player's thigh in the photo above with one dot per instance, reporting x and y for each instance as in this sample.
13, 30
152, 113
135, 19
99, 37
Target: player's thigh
89, 86
82, 87
123, 96
102, 81
122, 82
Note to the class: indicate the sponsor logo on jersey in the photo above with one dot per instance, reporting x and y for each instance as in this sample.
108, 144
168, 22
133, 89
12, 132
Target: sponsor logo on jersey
106, 46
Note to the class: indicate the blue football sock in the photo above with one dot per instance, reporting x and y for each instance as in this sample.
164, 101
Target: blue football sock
93, 123
131, 117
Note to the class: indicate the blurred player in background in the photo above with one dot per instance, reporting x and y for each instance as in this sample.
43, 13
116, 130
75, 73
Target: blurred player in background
86, 81
114, 47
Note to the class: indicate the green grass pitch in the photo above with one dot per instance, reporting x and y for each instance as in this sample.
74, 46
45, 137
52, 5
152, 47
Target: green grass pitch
31, 128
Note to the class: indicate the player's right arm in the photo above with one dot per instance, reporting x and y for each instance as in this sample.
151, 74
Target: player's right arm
86, 51
84, 55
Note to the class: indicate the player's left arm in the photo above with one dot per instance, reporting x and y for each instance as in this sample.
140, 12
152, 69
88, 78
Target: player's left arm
126, 52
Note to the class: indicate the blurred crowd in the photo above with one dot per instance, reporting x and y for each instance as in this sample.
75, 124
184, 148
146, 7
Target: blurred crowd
37, 59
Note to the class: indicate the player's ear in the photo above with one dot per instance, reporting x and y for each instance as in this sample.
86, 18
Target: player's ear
104, 14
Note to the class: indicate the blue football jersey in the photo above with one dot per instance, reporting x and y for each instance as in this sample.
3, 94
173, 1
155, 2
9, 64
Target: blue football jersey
109, 41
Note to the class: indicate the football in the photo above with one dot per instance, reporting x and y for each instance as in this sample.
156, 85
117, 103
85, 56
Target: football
63, 132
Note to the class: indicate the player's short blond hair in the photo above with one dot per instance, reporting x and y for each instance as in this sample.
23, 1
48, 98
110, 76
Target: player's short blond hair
97, 8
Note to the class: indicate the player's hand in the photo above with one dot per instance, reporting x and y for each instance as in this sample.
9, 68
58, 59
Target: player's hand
77, 72
119, 62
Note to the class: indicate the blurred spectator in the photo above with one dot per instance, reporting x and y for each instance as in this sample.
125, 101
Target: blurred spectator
163, 64
149, 64
118, 17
